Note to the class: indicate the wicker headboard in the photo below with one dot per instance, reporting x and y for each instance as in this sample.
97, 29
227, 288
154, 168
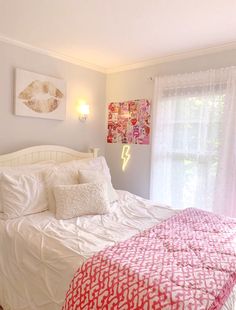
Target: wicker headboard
39, 153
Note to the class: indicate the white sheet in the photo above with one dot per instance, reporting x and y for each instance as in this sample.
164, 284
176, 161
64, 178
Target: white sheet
40, 254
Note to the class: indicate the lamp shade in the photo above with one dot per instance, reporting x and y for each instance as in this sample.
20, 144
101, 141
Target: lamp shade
83, 110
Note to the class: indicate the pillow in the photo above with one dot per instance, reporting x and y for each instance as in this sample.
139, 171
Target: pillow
88, 176
67, 174
23, 194
98, 163
17, 170
58, 175
81, 199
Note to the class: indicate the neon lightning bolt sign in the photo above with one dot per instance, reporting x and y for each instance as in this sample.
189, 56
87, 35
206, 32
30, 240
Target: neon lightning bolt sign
125, 156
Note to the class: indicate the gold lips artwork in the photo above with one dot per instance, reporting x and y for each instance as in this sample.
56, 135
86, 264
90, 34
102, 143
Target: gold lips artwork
41, 96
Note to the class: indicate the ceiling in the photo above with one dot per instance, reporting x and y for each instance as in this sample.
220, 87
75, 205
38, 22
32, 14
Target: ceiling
114, 33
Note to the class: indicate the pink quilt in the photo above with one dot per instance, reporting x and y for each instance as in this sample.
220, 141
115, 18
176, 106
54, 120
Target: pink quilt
185, 262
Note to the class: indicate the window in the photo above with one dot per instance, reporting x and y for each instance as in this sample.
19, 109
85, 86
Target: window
186, 140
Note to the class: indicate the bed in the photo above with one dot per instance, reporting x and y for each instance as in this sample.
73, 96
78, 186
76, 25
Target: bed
40, 254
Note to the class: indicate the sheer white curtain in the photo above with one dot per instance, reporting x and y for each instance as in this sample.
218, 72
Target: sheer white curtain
194, 141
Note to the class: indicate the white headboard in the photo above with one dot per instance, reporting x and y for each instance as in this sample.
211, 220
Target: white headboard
39, 153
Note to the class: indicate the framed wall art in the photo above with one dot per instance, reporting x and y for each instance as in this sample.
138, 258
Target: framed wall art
39, 95
129, 122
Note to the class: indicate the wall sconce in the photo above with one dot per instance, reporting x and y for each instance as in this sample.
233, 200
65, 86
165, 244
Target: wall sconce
83, 110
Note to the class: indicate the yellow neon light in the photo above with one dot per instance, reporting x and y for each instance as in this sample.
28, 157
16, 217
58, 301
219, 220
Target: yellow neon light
125, 156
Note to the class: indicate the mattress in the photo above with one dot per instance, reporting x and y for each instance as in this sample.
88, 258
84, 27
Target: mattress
39, 254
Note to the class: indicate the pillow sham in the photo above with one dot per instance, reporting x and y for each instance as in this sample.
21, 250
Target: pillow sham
67, 174
98, 163
23, 194
81, 199
17, 170
88, 176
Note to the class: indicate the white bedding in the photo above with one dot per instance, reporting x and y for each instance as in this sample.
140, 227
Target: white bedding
40, 254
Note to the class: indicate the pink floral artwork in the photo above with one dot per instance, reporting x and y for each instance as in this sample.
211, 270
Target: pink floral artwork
129, 122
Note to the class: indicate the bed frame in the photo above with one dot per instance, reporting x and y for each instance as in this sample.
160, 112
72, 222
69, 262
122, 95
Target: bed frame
40, 153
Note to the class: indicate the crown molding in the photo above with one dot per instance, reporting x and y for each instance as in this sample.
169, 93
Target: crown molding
137, 65
52, 54
174, 57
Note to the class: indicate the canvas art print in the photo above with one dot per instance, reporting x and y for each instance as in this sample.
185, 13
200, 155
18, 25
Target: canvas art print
129, 122
39, 95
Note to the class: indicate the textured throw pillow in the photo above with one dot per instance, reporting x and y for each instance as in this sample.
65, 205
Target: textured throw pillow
23, 194
25, 169
88, 176
81, 199
67, 174
58, 176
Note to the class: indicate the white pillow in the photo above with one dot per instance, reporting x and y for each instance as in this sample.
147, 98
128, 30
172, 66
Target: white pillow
58, 175
81, 199
98, 163
88, 176
67, 174
17, 170
23, 194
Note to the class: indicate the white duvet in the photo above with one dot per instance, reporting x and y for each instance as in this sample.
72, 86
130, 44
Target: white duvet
39, 254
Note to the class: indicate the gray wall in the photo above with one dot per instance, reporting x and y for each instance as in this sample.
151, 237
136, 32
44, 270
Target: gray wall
135, 84
17, 132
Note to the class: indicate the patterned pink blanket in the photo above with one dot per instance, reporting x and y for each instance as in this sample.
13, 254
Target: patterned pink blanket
185, 262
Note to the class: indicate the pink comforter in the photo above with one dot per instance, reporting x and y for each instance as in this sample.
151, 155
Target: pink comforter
186, 262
